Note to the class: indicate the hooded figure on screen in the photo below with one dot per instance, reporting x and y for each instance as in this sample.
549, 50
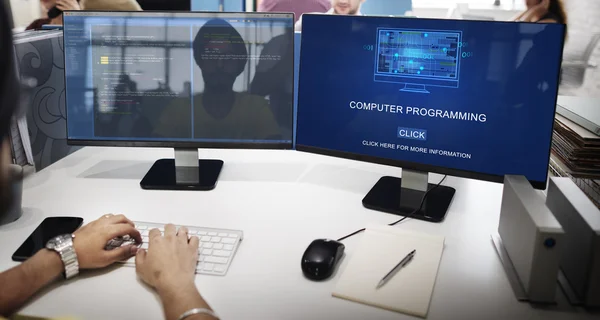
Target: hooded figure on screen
220, 112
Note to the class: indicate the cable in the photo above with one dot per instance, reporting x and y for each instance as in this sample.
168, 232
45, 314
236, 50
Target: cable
403, 218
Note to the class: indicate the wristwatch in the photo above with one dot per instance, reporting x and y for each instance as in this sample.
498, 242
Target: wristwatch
63, 245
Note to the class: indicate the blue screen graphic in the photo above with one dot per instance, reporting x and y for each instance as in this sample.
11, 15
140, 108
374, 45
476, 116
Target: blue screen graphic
415, 56
420, 54
414, 112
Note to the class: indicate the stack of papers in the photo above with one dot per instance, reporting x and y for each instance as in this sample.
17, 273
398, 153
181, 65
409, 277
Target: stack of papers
576, 144
380, 249
576, 148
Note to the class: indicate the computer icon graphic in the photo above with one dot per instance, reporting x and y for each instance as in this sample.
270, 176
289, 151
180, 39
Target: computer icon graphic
418, 58
181, 80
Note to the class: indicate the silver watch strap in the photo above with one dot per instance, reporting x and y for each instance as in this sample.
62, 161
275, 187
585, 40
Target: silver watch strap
69, 259
197, 311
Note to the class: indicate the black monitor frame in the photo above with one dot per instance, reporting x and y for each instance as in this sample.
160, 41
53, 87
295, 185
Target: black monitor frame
185, 171
381, 192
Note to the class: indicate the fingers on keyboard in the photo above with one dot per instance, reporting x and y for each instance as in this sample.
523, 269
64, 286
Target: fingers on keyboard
215, 248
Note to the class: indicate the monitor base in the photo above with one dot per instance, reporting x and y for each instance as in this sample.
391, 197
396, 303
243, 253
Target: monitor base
416, 88
389, 196
164, 176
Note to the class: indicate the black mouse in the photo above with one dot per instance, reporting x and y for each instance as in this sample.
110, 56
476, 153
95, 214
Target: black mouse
321, 257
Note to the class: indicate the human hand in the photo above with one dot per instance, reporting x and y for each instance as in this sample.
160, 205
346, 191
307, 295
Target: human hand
90, 241
542, 5
538, 11
535, 12
170, 260
545, 4
65, 5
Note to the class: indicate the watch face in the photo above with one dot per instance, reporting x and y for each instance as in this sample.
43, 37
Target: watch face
58, 241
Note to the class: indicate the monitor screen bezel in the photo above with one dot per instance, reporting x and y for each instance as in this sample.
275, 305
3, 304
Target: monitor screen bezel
540, 185
107, 142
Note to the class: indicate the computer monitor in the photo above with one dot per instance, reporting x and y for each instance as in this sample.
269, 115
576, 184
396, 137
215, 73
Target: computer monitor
219, 5
498, 121
183, 80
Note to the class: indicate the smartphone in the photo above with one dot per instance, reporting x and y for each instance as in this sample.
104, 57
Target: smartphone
48, 229
55, 12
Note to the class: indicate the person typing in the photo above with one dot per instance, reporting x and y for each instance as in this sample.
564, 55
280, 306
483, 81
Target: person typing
20, 283
168, 265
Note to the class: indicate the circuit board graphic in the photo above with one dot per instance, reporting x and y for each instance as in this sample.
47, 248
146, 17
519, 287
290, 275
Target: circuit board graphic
418, 54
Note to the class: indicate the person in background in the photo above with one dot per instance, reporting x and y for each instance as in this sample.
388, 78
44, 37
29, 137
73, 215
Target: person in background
342, 7
298, 7
168, 266
543, 11
54, 17
111, 5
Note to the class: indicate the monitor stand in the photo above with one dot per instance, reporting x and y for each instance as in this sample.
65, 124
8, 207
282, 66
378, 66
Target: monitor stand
418, 88
185, 172
403, 196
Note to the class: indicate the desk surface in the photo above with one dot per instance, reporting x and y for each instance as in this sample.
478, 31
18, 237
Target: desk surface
282, 200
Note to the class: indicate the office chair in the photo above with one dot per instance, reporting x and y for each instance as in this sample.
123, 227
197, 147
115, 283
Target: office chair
576, 62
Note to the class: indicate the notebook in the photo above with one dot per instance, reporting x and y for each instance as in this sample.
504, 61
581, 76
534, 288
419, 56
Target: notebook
380, 249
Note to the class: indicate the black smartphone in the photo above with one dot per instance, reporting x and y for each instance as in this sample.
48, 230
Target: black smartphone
55, 12
48, 229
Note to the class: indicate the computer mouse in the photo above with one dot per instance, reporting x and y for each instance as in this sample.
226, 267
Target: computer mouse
321, 258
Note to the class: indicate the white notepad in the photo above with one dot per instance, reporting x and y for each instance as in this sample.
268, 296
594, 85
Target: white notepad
380, 249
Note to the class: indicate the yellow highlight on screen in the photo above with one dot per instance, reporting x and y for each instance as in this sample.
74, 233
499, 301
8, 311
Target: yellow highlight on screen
104, 60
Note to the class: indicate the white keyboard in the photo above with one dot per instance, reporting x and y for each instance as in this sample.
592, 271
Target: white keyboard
215, 252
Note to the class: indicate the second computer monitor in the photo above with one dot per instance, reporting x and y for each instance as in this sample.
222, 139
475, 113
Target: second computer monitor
183, 80
468, 98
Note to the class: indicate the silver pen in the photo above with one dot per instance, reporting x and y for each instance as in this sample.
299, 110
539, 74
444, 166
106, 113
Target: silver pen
399, 266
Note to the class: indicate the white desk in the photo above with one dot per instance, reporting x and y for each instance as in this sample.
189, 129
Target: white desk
282, 200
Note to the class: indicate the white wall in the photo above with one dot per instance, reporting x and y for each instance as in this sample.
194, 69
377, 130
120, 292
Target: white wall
25, 11
497, 14
583, 20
